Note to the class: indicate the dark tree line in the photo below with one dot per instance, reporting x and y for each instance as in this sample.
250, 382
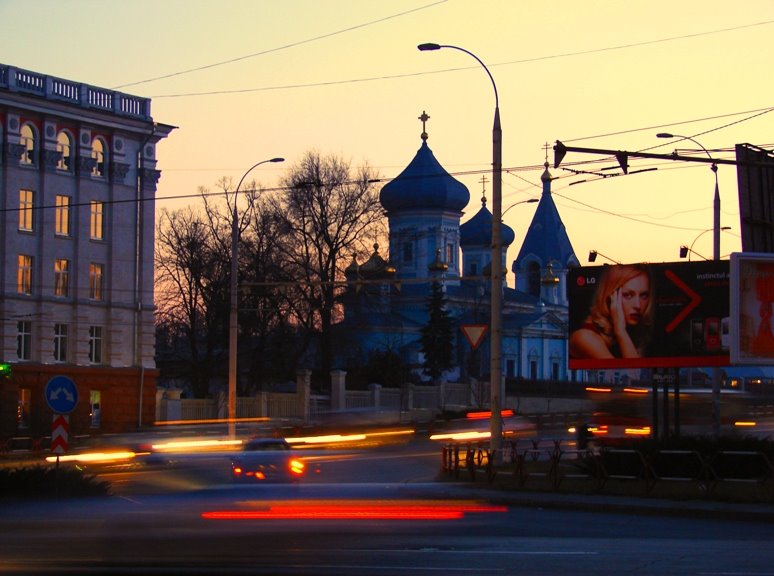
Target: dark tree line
293, 246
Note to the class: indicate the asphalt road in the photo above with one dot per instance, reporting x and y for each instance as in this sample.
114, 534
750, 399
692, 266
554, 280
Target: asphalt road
374, 512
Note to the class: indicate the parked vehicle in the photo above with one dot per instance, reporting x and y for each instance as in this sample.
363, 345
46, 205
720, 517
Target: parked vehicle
267, 460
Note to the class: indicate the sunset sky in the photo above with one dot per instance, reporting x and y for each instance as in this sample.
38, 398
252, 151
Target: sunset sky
247, 80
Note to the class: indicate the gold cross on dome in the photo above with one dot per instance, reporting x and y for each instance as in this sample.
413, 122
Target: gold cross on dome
424, 118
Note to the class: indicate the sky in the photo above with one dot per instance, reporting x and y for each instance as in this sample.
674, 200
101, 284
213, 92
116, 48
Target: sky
248, 80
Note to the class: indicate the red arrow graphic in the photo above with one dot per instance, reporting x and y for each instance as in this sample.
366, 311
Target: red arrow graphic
694, 296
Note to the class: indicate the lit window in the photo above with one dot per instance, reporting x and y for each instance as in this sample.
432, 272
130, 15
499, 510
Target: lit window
450, 254
26, 200
23, 339
95, 401
24, 275
62, 215
23, 408
29, 141
64, 146
95, 344
60, 342
95, 281
95, 220
98, 153
61, 277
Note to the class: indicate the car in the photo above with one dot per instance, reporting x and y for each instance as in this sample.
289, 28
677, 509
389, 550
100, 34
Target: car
267, 460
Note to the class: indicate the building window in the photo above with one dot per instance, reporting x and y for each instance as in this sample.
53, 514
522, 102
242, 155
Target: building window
28, 139
450, 254
95, 281
23, 339
533, 372
98, 149
95, 401
26, 199
62, 215
533, 278
64, 145
408, 252
24, 275
472, 268
95, 220
510, 368
61, 277
60, 342
95, 344
555, 370
23, 408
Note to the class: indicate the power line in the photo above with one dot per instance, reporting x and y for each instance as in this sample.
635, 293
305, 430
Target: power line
280, 48
413, 74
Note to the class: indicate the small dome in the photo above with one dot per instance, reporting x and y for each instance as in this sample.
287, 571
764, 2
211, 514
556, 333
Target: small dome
424, 184
477, 231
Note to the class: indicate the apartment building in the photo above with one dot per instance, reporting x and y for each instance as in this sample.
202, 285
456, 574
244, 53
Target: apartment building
78, 179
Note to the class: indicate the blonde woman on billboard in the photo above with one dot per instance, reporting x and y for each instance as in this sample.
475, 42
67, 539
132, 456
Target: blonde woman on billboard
620, 317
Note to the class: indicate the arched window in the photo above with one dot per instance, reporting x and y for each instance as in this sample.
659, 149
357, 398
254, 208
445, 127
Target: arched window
64, 145
99, 153
533, 278
30, 142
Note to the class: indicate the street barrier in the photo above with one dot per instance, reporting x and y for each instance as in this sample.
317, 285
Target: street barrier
556, 460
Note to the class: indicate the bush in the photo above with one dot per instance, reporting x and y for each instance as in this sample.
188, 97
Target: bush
50, 482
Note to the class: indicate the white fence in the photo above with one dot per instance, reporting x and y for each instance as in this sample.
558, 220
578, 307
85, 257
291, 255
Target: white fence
302, 405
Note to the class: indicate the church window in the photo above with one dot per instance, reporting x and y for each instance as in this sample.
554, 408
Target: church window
533, 278
408, 252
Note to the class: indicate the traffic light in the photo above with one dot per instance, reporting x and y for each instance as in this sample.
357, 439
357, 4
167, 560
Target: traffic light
5, 370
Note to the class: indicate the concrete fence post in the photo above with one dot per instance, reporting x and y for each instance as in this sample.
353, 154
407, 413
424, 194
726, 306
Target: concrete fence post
338, 390
304, 392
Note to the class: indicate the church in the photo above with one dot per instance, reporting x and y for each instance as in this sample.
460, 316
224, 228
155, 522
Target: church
386, 304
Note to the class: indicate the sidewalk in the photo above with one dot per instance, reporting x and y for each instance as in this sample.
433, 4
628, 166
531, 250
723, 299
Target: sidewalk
709, 509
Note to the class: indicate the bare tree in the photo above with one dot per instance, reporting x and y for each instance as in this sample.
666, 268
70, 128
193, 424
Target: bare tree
185, 267
330, 212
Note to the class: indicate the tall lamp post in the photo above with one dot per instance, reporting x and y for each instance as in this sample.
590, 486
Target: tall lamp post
495, 328
688, 250
715, 256
232, 320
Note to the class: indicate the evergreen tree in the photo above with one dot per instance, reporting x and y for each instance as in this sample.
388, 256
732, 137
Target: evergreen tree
437, 335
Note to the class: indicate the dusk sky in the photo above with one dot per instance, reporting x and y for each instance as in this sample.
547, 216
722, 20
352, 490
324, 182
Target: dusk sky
249, 80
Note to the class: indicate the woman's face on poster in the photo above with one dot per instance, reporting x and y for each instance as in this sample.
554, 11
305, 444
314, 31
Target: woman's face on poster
635, 297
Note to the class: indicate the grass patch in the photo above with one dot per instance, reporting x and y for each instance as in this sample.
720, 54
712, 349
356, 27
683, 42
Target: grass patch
50, 482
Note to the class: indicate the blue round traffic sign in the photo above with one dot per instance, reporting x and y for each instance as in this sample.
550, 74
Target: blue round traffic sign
61, 394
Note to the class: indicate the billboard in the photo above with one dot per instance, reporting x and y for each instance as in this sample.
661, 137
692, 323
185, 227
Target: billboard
752, 299
649, 315
755, 175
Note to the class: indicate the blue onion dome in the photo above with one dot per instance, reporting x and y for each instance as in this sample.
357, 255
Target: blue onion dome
424, 184
477, 232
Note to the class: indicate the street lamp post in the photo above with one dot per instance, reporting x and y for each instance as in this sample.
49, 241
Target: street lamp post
495, 328
688, 250
232, 320
715, 256
594, 253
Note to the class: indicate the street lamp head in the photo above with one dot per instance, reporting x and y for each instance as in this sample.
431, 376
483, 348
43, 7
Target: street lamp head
277, 160
429, 46
592, 256
665, 135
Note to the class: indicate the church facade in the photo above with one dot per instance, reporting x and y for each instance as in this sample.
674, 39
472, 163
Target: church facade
386, 305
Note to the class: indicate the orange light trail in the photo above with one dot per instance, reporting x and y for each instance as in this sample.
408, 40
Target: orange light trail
355, 510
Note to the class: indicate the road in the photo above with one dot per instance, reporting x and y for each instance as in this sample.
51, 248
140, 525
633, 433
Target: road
375, 511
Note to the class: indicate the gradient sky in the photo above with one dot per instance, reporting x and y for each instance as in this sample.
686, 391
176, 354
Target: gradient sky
246, 80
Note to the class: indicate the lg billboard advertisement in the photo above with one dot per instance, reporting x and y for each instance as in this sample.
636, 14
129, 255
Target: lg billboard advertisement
649, 315
752, 308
